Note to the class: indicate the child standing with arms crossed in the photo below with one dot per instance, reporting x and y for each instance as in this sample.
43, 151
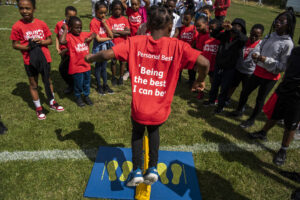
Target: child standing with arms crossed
121, 30
63, 51
78, 44
103, 41
154, 69
30, 28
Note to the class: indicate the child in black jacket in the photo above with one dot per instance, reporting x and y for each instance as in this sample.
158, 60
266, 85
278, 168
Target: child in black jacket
232, 41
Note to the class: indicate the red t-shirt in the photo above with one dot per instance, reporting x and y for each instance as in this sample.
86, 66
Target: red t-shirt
263, 73
210, 50
188, 34
249, 47
223, 6
154, 67
59, 31
135, 19
118, 24
96, 26
23, 31
200, 40
78, 50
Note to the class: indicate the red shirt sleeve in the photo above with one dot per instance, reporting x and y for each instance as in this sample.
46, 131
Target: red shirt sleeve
189, 56
93, 27
121, 51
47, 31
15, 34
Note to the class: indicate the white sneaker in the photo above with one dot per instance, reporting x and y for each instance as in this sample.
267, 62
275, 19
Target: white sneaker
135, 178
151, 176
297, 135
126, 76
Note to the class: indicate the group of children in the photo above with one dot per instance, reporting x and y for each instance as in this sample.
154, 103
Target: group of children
155, 61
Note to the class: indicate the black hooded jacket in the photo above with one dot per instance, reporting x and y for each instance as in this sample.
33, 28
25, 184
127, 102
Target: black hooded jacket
290, 86
231, 49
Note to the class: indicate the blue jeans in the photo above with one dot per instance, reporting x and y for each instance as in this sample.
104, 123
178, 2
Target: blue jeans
223, 78
100, 68
82, 83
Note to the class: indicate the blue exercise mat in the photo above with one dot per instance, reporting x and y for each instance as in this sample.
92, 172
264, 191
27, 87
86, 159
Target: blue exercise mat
178, 178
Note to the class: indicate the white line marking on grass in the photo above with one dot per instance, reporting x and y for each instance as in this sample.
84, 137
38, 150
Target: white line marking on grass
77, 1
91, 153
5, 29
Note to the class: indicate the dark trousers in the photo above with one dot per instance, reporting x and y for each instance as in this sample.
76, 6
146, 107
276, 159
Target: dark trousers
192, 75
265, 86
220, 18
137, 144
100, 70
82, 83
223, 78
64, 69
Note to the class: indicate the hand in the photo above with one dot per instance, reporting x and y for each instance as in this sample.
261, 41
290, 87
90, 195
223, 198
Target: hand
198, 86
261, 58
227, 25
87, 58
37, 41
255, 57
58, 51
64, 27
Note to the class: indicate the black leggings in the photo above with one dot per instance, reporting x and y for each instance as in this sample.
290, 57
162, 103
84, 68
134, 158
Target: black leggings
265, 86
64, 69
137, 144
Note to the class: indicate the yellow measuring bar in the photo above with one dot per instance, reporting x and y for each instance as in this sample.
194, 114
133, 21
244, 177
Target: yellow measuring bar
143, 191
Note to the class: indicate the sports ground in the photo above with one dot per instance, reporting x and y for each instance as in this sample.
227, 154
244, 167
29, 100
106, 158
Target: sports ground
52, 159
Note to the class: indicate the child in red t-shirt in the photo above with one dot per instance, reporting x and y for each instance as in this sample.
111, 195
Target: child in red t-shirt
188, 33
63, 51
30, 28
77, 43
201, 24
121, 30
154, 70
137, 15
221, 7
103, 41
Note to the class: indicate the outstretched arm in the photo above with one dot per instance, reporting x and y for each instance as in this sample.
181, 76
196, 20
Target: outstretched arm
63, 37
100, 56
202, 66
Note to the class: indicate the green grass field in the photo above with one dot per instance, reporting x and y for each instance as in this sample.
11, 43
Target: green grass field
222, 175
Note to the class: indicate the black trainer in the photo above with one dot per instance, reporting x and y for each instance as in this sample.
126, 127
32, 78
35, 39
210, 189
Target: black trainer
107, 89
246, 124
236, 113
280, 157
3, 128
261, 135
208, 103
100, 91
80, 102
120, 81
218, 110
88, 101
113, 81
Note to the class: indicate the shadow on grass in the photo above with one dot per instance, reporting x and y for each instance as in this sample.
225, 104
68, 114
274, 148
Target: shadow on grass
22, 90
213, 186
86, 138
247, 159
59, 86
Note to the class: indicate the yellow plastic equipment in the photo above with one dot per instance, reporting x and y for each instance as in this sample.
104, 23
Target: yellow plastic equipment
143, 191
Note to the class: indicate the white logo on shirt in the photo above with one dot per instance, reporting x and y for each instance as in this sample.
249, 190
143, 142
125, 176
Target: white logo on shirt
211, 48
81, 47
137, 19
102, 31
187, 36
118, 27
39, 33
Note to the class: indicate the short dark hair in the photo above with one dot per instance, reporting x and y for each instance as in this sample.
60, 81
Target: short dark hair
207, 7
100, 4
202, 18
217, 22
72, 20
258, 26
117, 2
70, 8
32, 2
189, 12
158, 17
